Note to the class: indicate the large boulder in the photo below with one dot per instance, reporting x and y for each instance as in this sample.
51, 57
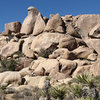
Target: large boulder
54, 74
55, 24
46, 40
68, 66
9, 77
26, 49
62, 53
82, 52
68, 42
86, 22
10, 49
46, 66
12, 27
38, 81
14, 76
29, 22
39, 25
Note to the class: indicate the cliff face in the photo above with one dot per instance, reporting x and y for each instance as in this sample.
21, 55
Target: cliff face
59, 46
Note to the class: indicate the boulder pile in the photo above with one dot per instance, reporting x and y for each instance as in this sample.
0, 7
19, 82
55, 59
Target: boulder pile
60, 47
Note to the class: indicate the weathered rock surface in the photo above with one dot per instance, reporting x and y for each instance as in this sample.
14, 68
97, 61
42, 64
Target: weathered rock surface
55, 24
68, 42
46, 40
95, 68
39, 25
63, 53
26, 49
81, 69
29, 22
12, 27
95, 31
10, 49
82, 52
42, 50
46, 66
67, 66
86, 22
3, 41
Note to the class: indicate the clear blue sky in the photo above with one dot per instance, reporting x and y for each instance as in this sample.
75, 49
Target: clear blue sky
16, 10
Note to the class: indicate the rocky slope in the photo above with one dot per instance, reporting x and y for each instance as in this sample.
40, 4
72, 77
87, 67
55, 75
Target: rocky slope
60, 47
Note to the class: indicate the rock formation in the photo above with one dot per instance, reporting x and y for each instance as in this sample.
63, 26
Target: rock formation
60, 47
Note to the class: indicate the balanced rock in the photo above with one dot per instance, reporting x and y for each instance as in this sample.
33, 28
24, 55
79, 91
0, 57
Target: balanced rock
39, 25
55, 24
29, 22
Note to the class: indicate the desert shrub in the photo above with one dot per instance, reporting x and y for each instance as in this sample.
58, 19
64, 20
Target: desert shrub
28, 94
19, 53
46, 53
86, 79
85, 85
8, 65
76, 90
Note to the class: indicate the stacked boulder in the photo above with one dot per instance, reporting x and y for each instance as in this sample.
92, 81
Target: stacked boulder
58, 47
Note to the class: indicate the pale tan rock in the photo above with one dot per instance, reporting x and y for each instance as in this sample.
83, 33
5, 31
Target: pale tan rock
82, 52
10, 49
29, 22
82, 62
37, 81
57, 75
68, 42
46, 66
13, 27
62, 53
26, 49
53, 24
35, 63
95, 68
86, 22
3, 41
46, 40
92, 57
39, 25
68, 66
81, 69
72, 31
95, 31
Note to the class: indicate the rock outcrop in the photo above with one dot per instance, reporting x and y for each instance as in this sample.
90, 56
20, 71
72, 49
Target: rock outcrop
59, 47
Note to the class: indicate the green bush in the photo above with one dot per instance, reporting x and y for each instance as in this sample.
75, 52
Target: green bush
8, 65
58, 92
45, 53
